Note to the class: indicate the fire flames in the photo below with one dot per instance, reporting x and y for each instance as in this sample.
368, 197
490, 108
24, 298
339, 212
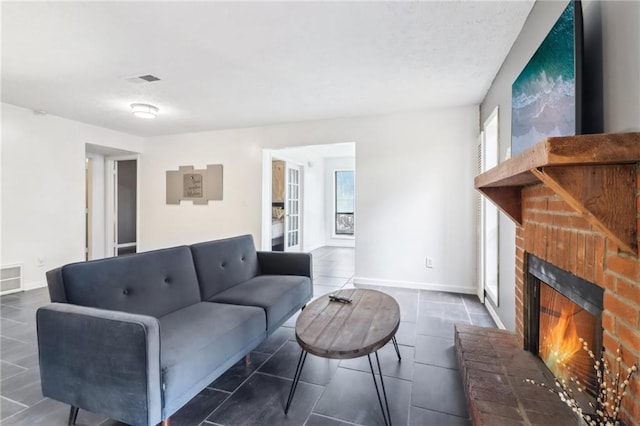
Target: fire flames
561, 344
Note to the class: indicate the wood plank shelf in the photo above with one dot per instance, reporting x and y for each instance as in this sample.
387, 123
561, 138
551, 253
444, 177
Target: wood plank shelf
594, 174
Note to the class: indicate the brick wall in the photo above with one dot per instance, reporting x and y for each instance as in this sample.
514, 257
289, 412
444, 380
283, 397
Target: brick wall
554, 232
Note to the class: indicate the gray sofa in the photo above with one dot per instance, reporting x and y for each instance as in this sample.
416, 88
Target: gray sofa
136, 337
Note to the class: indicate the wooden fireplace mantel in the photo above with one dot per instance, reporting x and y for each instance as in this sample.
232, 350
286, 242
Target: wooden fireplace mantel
594, 174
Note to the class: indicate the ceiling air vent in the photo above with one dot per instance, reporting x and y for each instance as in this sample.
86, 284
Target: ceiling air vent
150, 78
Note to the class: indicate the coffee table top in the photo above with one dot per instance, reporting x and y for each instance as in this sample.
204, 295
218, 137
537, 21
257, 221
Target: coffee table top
348, 330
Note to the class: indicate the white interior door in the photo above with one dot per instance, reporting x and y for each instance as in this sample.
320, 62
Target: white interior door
123, 207
292, 216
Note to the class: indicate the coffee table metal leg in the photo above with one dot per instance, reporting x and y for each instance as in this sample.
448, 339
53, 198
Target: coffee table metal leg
296, 378
384, 391
395, 345
386, 415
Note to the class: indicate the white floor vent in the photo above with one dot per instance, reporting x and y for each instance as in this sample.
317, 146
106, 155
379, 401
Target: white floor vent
10, 279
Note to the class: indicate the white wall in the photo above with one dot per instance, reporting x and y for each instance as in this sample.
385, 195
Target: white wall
43, 188
414, 190
414, 198
313, 204
331, 165
621, 63
621, 81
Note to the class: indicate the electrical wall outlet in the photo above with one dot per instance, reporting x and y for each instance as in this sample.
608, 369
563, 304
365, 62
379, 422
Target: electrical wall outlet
429, 262
40, 260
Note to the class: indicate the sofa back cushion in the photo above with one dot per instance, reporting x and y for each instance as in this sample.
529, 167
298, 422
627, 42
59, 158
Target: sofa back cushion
224, 263
151, 283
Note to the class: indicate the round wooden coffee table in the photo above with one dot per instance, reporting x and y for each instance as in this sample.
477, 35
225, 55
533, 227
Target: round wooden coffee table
331, 329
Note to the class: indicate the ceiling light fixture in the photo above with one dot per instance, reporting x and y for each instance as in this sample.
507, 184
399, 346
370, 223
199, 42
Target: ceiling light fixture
144, 110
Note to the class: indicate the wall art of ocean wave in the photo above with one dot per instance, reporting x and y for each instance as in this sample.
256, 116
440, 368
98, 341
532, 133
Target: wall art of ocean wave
543, 97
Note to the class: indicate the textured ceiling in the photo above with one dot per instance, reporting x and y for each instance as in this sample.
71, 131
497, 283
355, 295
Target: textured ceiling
227, 65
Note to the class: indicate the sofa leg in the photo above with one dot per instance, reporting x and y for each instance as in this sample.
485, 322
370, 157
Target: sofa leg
166, 422
73, 415
247, 359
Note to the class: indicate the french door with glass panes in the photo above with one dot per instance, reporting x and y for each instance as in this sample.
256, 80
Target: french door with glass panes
293, 192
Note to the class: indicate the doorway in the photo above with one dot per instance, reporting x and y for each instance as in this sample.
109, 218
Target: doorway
111, 215
304, 177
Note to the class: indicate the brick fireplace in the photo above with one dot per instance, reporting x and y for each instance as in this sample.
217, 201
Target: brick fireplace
553, 231
576, 203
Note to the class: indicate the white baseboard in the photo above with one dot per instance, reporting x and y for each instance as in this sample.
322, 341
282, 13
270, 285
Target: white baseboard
414, 285
494, 315
34, 285
340, 242
313, 247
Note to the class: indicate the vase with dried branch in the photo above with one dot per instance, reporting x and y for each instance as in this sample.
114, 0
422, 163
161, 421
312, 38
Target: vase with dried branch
611, 388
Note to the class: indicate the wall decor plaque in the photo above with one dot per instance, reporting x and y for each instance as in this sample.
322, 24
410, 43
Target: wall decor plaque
192, 185
199, 186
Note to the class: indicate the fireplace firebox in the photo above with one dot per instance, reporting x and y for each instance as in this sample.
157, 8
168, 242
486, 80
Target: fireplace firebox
561, 308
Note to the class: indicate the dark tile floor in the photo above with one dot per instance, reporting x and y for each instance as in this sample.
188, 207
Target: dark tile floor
423, 389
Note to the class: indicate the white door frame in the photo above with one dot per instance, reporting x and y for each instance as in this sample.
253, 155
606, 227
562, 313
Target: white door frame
480, 223
490, 253
88, 207
267, 158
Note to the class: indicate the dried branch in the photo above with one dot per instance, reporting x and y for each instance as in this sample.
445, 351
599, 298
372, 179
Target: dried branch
610, 390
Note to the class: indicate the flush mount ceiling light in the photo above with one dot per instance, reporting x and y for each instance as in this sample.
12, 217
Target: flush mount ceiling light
144, 110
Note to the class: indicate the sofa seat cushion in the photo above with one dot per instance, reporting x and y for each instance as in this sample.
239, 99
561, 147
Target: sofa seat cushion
198, 339
278, 295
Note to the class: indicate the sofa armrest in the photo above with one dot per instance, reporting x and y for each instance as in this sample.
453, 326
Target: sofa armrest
55, 283
107, 362
284, 263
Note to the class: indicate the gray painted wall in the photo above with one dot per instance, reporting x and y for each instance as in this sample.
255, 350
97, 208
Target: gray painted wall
611, 26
